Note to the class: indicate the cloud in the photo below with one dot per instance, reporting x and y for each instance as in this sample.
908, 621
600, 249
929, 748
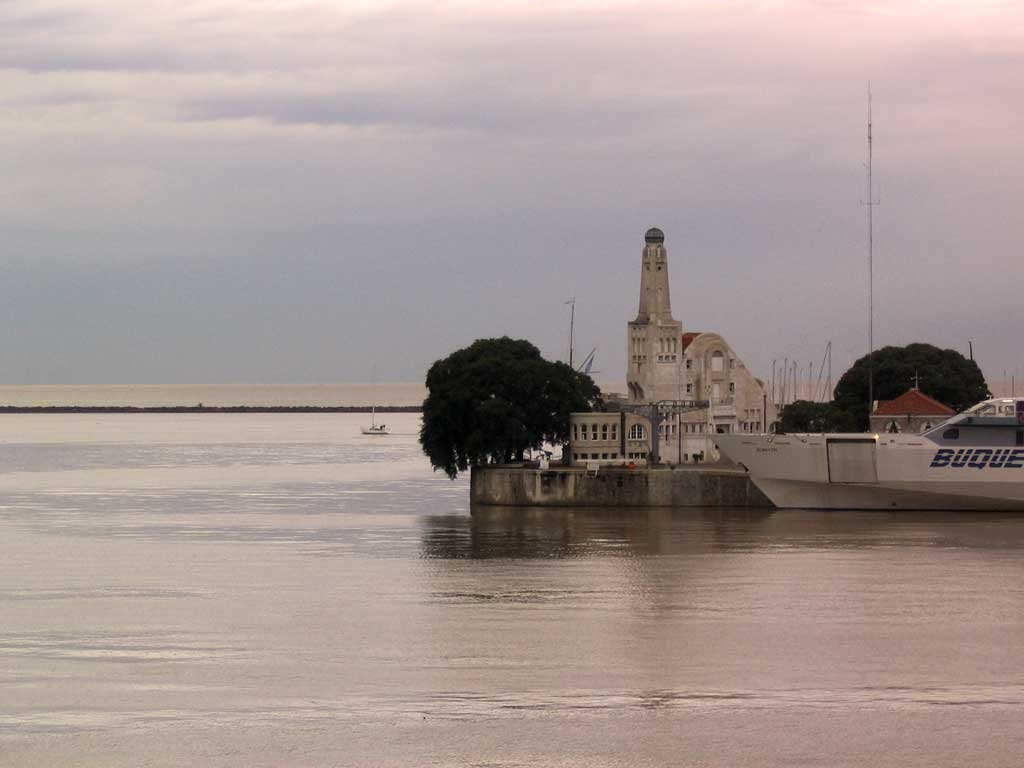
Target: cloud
499, 156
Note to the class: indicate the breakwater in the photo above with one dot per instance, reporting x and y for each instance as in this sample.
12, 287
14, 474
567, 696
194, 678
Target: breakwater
613, 487
200, 408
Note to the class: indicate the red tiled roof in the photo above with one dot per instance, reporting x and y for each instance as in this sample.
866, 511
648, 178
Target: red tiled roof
913, 402
688, 339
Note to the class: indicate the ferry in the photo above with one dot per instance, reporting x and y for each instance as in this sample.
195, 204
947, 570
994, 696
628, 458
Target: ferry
972, 461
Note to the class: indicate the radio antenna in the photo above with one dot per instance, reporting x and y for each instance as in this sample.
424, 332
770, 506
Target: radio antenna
572, 321
871, 203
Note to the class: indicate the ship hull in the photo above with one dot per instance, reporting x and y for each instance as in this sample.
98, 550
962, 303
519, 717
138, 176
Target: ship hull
865, 472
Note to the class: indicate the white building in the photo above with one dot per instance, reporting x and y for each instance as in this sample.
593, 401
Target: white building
695, 379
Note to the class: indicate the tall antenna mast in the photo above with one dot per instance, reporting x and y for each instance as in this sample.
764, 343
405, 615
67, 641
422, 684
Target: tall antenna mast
871, 203
572, 320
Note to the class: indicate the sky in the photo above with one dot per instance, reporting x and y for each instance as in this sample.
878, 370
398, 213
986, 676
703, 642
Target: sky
277, 191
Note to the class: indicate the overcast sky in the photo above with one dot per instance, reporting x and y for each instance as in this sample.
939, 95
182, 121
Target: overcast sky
299, 191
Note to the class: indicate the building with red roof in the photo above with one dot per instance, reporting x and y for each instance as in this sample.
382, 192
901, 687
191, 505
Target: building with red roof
912, 412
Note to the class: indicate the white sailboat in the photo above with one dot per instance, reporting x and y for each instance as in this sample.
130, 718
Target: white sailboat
375, 428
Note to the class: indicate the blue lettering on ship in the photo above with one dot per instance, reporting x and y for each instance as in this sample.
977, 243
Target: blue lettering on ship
979, 458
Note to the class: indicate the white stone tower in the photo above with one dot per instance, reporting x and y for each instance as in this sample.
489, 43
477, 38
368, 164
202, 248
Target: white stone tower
654, 337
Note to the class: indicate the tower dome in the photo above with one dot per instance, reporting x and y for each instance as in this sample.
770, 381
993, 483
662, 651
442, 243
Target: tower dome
654, 236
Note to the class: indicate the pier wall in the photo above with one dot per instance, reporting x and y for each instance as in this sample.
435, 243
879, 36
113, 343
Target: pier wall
613, 487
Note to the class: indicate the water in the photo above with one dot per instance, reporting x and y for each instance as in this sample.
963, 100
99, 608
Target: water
277, 589
213, 395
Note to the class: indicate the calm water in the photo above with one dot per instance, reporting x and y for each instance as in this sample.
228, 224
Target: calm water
217, 395
278, 590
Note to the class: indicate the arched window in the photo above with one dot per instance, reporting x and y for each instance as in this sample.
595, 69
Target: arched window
637, 432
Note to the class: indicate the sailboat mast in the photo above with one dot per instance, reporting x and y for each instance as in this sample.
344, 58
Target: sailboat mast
373, 395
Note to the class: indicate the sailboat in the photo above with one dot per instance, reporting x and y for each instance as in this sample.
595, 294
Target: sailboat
375, 428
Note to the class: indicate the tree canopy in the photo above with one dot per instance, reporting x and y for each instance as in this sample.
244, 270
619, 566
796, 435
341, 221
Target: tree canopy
496, 398
809, 416
944, 374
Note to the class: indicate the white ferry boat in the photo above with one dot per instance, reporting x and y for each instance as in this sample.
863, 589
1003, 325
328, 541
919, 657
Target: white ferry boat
972, 461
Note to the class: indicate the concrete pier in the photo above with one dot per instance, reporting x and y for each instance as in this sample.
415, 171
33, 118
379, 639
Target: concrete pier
613, 487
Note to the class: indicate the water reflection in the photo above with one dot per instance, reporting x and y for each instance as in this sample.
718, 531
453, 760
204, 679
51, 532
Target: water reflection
536, 533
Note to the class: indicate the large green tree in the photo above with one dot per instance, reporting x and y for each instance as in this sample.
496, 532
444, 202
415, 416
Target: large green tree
944, 374
496, 398
809, 416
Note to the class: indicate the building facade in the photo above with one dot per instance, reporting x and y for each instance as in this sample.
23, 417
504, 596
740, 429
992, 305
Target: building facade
615, 437
913, 412
686, 385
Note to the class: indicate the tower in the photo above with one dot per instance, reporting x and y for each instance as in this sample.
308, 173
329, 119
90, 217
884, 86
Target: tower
654, 336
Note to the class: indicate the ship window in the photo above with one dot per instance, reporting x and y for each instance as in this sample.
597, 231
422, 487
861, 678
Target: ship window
953, 433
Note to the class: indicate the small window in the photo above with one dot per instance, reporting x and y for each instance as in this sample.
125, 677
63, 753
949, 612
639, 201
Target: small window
615, 431
593, 431
953, 433
689, 363
717, 361
732, 387
604, 431
689, 387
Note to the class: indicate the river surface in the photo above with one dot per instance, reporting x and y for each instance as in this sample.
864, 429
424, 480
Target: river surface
279, 590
